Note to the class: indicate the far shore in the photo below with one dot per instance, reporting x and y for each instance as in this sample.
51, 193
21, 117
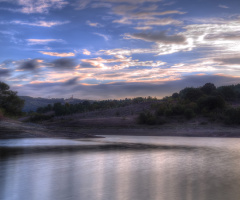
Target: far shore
11, 129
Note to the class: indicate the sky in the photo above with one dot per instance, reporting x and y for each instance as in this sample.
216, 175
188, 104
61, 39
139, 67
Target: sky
112, 49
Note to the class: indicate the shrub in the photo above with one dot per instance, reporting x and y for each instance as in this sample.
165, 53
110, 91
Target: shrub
210, 103
117, 113
189, 113
178, 109
142, 118
209, 88
161, 110
191, 94
168, 112
232, 116
161, 121
147, 118
175, 95
40, 117
227, 92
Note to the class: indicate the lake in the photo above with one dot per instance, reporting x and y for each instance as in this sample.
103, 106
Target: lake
120, 168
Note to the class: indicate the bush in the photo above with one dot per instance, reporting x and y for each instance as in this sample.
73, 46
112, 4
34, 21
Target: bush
210, 103
227, 92
178, 109
189, 113
147, 118
175, 95
40, 117
161, 110
1, 115
191, 94
232, 116
168, 112
209, 88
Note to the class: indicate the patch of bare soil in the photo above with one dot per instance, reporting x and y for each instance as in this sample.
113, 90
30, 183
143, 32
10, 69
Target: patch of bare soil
15, 129
128, 126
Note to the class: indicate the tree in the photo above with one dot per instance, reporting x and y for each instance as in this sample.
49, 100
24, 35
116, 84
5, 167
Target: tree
10, 103
227, 92
211, 103
191, 94
208, 88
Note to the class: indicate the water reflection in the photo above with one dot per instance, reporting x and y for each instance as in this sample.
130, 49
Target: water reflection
200, 173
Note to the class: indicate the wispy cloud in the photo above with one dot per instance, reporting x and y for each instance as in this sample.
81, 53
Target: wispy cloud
38, 23
70, 54
223, 6
43, 41
37, 6
94, 24
143, 28
28, 65
64, 64
160, 37
106, 37
86, 52
145, 16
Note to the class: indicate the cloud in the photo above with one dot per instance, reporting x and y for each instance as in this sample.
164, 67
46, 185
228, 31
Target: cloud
224, 36
160, 37
118, 62
72, 81
64, 64
57, 54
106, 37
223, 6
122, 89
29, 65
143, 28
101, 5
82, 4
230, 60
11, 35
132, 1
143, 15
160, 22
4, 73
86, 52
87, 65
94, 24
128, 52
39, 23
43, 41
37, 6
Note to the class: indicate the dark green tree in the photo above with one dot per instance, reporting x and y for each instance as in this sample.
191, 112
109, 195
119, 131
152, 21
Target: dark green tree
190, 93
209, 88
10, 103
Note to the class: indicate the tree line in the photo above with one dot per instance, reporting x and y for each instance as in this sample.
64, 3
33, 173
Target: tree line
214, 103
60, 109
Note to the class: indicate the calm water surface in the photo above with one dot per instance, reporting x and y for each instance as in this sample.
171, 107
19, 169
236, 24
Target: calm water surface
175, 169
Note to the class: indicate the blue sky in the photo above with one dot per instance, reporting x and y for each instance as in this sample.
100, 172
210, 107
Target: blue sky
111, 49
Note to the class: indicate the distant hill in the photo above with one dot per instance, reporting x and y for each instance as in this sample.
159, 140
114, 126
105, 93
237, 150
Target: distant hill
31, 103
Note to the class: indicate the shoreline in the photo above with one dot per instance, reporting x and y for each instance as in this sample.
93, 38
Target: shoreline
11, 129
